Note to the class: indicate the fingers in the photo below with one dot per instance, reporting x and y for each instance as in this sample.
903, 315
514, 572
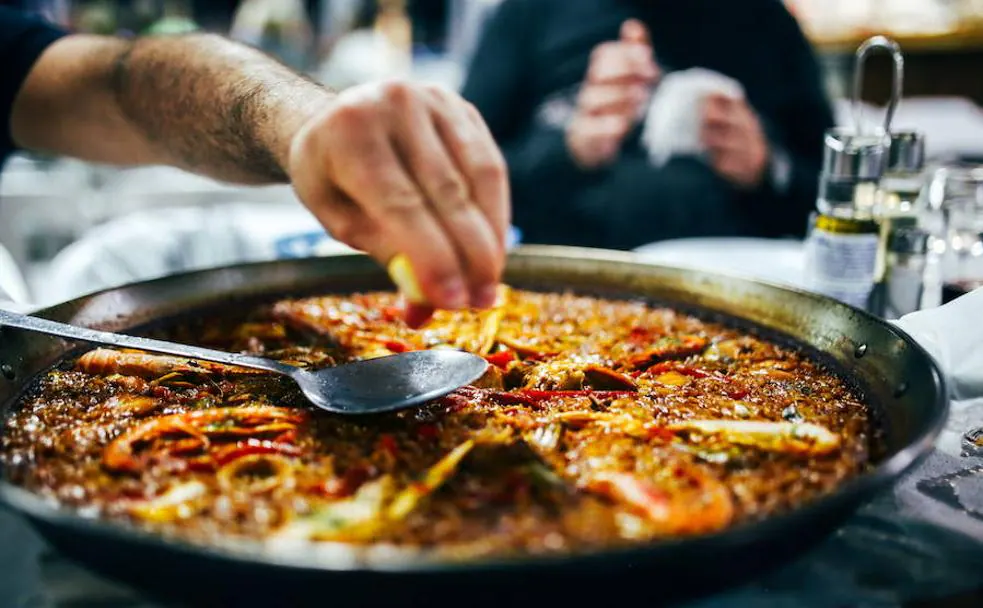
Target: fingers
369, 171
396, 169
725, 122
634, 31
477, 157
447, 193
721, 111
622, 63
597, 140
611, 99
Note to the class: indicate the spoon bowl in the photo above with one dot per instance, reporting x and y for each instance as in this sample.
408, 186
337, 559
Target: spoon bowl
369, 386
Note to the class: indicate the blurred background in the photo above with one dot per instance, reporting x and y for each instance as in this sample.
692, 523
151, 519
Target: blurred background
71, 227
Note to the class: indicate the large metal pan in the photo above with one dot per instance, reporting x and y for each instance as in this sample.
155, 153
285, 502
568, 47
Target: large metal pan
898, 376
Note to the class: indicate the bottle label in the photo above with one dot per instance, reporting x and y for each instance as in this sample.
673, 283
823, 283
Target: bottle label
843, 266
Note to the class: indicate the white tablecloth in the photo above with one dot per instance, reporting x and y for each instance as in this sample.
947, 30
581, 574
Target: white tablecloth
778, 261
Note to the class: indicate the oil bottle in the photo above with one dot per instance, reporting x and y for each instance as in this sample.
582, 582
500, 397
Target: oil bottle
846, 243
844, 237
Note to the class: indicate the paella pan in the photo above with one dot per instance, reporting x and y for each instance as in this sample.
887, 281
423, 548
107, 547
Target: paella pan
636, 421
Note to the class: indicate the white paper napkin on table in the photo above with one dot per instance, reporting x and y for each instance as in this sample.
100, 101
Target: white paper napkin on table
953, 334
675, 114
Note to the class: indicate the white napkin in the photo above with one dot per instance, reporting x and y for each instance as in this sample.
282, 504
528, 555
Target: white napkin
953, 334
674, 117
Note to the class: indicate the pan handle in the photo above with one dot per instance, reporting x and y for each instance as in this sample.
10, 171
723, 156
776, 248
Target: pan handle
93, 336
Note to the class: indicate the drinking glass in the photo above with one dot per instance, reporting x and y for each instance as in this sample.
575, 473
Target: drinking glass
955, 219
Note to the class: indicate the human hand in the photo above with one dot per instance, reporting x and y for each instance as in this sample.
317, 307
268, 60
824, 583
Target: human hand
410, 172
735, 140
612, 98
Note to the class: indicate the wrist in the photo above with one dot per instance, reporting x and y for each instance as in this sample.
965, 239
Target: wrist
298, 112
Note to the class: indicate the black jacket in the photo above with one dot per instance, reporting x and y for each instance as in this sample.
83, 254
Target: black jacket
533, 55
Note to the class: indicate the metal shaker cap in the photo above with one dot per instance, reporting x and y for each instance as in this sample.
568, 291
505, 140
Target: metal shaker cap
850, 155
911, 240
907, 152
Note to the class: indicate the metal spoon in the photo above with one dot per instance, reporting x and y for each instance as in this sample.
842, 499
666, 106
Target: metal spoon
362, 387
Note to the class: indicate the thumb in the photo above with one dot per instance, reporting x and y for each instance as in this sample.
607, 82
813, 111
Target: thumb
634, 31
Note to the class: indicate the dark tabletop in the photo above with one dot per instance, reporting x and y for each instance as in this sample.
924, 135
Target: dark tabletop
918, 546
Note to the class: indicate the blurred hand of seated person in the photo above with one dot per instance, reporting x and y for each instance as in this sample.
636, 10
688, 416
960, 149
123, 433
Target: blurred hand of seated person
564, 87
735, 142
613, 97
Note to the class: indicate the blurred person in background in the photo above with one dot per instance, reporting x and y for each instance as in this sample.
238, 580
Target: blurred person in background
564, 86
388, 168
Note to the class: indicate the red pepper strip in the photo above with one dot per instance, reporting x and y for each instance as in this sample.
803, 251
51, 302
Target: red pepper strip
189, 445
250, 447
397, 346
501, 359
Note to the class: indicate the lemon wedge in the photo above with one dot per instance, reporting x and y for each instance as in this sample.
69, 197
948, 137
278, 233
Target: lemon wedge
401, 273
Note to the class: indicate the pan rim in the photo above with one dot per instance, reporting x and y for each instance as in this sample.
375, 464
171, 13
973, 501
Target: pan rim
884, 474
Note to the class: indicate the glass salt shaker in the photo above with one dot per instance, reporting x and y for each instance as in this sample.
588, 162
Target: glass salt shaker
904, 278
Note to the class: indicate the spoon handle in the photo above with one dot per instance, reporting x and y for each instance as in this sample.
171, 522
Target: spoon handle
84, 334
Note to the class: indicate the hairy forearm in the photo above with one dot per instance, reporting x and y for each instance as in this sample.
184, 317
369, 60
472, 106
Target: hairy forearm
215, 105
198, 102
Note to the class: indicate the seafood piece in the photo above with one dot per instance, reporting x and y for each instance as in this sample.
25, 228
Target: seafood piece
602, 378
668, 348
492, 379
802, 438
526, 350
250, 447
256, 474
121, 454
106, 361
131, 384
618, 423
569, 375
687, 501
134, 405
745, 348
556, 376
